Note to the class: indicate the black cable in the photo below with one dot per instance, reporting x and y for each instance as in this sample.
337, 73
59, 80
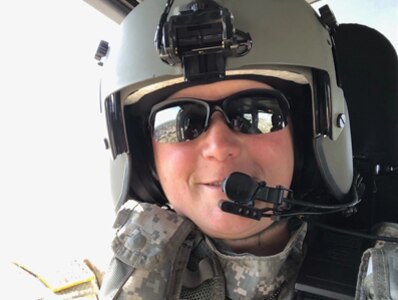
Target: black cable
355, 191
354, 233
323, 206
301, 213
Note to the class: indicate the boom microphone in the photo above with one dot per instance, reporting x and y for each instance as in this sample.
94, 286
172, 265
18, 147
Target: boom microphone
243, 191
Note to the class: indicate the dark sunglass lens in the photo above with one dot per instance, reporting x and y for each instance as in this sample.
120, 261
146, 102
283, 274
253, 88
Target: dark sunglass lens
179, 123
254, 115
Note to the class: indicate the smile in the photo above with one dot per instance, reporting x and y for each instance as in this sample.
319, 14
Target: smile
215, 184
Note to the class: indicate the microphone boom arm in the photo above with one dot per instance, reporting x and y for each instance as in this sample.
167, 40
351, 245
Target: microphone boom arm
244, 191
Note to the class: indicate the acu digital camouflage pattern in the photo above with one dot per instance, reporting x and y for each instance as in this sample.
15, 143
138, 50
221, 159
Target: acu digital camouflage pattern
149, 239
378, 272
263, 277
171, 259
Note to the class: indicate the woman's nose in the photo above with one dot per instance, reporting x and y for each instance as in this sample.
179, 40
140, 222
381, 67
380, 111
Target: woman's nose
220, 142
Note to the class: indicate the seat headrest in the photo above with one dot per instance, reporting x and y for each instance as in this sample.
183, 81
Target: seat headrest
367, 67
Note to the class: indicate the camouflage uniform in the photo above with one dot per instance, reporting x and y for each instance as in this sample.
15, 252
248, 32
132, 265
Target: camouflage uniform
160, 255
378, 272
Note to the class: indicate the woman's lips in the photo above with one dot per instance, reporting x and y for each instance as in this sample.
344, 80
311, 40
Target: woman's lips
215, 185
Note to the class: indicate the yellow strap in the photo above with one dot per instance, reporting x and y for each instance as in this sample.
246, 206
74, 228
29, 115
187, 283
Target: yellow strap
60, 276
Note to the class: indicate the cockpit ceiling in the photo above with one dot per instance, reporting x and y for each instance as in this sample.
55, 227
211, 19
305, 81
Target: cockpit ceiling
118, 9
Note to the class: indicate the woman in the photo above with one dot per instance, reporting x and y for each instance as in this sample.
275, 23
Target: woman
255, 94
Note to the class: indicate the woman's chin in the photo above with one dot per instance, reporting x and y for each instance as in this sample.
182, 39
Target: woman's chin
228, 226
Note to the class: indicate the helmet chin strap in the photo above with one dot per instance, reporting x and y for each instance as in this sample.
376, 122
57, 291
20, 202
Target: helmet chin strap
244, 191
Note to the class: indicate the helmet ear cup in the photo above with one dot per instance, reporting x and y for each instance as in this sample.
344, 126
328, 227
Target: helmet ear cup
306, 176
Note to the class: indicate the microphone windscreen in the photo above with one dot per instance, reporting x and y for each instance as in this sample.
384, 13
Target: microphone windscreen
239, 187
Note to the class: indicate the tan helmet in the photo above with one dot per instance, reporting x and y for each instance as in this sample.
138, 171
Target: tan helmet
282, 39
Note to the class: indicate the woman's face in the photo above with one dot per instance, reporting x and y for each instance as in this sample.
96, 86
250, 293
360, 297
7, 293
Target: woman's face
191, 172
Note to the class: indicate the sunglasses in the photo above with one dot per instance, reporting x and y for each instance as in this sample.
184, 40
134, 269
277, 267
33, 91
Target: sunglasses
255, 111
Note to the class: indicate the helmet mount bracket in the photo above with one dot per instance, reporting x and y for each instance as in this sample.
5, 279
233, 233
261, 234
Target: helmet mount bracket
200, 38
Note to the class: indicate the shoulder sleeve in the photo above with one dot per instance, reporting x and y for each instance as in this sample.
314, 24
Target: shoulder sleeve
147, 238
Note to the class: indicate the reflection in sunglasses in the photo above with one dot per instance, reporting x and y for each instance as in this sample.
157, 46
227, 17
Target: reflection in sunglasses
248, 112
